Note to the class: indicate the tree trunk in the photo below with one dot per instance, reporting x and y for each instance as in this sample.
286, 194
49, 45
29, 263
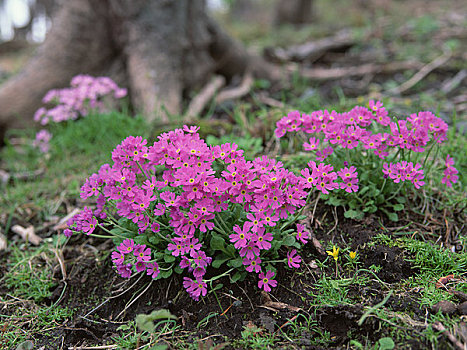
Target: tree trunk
159, 49
296, 12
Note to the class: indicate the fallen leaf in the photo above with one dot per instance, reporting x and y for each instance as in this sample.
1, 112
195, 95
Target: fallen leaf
27, 234
444, 280
276, 305
317, 245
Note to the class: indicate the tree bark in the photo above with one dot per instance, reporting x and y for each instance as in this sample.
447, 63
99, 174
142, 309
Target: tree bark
159, 49
295, 12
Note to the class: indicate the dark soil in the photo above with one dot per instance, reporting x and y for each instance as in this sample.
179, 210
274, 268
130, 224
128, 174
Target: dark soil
99, 297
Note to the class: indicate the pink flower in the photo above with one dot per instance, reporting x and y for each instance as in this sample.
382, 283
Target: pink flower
311, 145
450, 176
142, 253
350, 185
241, 237
302, 235
124, 270
262, 240
195, 288
152, 269
266, 281
449, 161
252, 264
126, 246
118, 258
293, 259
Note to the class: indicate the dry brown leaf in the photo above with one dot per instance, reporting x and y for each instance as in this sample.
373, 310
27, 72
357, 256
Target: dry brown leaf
276, 305
318, 246
27, 234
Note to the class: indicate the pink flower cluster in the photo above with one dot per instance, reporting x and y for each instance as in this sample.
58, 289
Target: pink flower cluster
42, 141
325, 179
402, 171
450, 173
134, 256
351, 129
84, 221
86, 93
189, 194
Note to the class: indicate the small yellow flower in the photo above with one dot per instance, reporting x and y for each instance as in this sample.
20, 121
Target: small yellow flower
353, 255
334, 253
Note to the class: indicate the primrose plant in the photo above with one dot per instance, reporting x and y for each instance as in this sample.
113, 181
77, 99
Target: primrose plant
182, 206
85, 94
377, 155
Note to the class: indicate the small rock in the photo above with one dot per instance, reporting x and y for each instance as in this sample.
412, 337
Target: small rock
462, 308
460, 295
445, 306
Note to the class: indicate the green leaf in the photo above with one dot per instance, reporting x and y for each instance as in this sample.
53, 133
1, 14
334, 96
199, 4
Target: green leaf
235, 263
169, 258
334, 201
217, 242
288, 241
236, 277
219, 261
353, 214
363, 190
392, 216
146, 322
154, 239
386, 343
159, 347
166, 274
231, 250
398, 207
216, 287
401, 199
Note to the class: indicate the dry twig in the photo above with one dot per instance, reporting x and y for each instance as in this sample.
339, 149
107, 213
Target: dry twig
362, 70
205, 95
312, 50
440, 328
422, 73
27, 234
236, 92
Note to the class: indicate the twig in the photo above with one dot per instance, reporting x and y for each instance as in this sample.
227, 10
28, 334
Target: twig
312, 50
269, 101
422, 73
451, 84
362, 70
61, 262
131, 303
439, 327
237, 92
204, 96
92, 347
27, 234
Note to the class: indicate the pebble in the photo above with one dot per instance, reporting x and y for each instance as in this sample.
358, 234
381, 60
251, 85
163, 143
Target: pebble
462, 308
445, 306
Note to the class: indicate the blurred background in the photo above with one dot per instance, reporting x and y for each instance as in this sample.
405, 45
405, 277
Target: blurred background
399, 36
